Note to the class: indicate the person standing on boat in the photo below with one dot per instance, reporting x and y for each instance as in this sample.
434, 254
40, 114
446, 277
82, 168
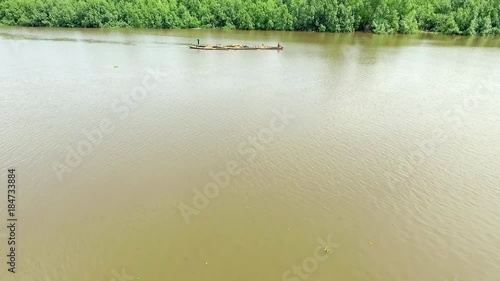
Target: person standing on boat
198, 39
279, 45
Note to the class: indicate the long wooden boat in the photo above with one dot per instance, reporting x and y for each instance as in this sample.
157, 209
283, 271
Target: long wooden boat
234, 47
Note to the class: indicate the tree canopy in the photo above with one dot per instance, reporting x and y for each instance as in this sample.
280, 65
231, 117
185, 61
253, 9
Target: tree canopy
462, 17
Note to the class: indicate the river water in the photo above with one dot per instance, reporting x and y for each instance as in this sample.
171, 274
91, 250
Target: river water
342, 157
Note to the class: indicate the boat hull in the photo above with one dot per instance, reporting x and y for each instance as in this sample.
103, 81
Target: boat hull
234, 47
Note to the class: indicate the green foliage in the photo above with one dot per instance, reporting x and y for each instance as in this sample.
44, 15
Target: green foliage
461, 17
446, 24
385, 19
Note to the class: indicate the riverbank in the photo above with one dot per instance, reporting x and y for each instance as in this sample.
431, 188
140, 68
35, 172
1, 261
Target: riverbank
422, 34
380, 17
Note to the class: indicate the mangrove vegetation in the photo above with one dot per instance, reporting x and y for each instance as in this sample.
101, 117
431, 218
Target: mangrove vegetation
461, 17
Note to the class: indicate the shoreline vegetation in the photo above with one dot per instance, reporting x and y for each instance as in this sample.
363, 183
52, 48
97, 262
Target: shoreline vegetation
451, 17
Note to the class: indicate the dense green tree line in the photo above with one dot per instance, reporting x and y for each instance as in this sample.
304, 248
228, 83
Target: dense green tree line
463, 17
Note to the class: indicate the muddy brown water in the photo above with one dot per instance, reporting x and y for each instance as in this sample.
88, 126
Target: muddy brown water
342, 157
